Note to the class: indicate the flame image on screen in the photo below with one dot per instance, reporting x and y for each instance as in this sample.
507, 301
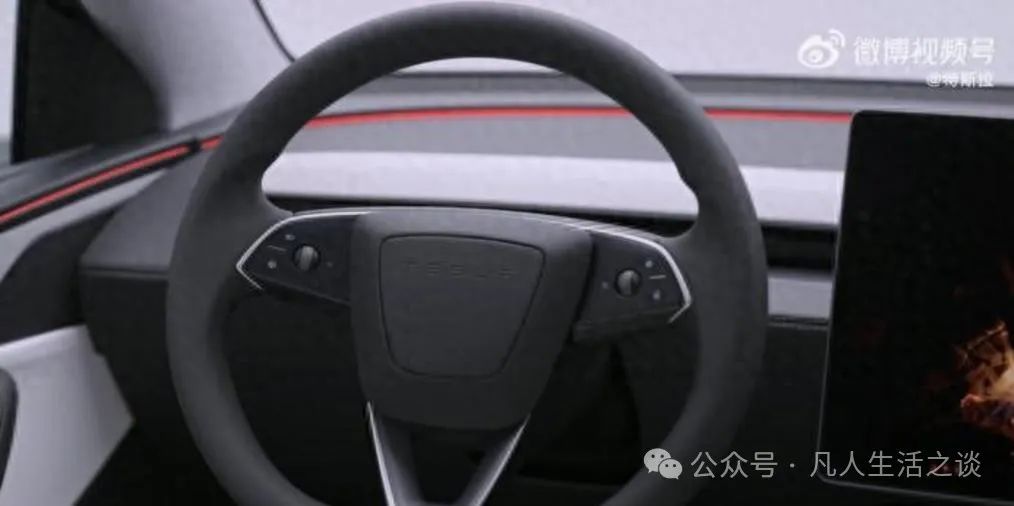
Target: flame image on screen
988, 364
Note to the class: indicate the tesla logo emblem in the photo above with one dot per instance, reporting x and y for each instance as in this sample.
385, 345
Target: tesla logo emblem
458, 270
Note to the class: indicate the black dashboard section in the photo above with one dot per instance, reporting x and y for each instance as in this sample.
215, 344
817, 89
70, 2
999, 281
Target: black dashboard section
139, 238
297, 380
125, 317
783, 418
132, 476
40, 292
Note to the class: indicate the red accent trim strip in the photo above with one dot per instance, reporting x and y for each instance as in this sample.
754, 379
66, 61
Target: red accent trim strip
92, 181
780, 115
537, 111
211, 142
463, 113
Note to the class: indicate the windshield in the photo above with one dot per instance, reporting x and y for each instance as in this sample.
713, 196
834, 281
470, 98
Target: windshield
952, 44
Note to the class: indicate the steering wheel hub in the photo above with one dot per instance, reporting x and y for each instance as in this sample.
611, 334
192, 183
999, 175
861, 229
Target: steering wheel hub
459, 314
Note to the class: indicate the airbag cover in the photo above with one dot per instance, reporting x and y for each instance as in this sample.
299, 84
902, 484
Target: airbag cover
453, 306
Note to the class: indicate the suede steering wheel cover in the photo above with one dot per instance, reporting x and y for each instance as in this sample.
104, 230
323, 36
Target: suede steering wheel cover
722, 255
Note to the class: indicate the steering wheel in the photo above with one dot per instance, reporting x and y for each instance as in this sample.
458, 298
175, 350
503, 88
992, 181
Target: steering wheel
459, 314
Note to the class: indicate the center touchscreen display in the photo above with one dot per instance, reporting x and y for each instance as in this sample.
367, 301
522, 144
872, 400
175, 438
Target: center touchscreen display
920, 383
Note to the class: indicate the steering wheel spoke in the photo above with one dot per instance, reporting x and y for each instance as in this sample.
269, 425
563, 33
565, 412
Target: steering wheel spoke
393, 446
305, 256
634, 285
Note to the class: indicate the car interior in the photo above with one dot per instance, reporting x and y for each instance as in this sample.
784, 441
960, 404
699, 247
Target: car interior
259, 252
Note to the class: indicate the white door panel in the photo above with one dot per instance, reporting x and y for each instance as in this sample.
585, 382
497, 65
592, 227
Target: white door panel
70, 417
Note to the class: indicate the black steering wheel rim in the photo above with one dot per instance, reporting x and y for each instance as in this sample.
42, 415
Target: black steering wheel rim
227, 210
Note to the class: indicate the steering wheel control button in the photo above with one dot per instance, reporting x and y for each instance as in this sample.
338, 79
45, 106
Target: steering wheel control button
305, 255
628, 282
645, 290
306, 258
